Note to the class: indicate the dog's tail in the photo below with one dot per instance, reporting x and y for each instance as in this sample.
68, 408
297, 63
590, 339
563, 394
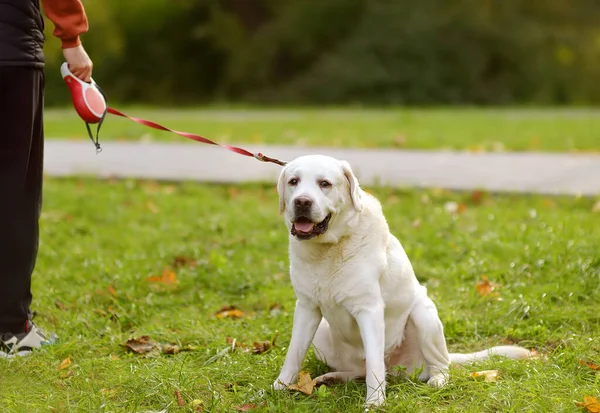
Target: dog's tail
512, 352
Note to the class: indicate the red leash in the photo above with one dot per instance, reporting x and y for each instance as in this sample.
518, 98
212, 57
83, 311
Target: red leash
198, 138
90, 104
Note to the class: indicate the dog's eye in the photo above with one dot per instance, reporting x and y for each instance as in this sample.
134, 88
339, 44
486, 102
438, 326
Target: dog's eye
293, 182
325, 184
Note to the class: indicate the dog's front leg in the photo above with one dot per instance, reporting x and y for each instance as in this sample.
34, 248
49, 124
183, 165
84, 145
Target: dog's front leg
307, 317
372, 331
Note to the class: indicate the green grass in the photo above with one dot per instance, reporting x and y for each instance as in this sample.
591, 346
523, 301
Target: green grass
100, 236
462, 129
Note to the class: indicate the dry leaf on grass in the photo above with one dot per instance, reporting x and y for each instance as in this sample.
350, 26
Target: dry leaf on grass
145, 344
246, 407
141, 345
60, 305
305, 383
260, 347
180, 401
112, 290
65, 363
487, 288
167, 277
183, 261
596, 207
153, 208
489, 376
590, 365
230, 311
477, 197
590, 403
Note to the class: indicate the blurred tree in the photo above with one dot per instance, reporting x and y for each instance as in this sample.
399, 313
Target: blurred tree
341, 51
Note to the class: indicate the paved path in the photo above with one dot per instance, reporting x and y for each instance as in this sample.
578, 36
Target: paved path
519, 172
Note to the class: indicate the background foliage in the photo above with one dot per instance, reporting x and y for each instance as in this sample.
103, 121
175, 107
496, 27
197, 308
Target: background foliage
341, 51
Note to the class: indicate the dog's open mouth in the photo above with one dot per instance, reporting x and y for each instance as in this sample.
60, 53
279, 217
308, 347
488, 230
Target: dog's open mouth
303, 228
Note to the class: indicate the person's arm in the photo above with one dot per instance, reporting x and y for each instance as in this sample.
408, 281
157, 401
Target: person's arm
70, 21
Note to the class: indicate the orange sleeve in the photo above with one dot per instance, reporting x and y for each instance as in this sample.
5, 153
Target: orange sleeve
69, 20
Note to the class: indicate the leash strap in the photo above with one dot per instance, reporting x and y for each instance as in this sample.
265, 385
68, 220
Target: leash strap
194, 137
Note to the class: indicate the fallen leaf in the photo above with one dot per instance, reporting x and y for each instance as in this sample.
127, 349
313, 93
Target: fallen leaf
108, 392
141, 345
596, 207
197, 405
180, 401
486, 287
477, 197
153, 208
275, 309
61, 305
182, 261
260, 347
234, 343
65, 363
233, 192
417, 223
229, 312
170, 349
489, 376
590, 365
477, 149
305, 383
112, 290
114, 357
246, 407
167, 277
590, 403
399, 141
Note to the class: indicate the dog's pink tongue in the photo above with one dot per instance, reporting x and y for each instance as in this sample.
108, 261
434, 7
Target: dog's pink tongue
304, 226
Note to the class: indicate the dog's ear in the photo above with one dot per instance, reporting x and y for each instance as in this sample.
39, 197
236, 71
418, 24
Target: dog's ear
355, 192
281, 189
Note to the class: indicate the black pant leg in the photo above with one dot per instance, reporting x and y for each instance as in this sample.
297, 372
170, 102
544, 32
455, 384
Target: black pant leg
21, 175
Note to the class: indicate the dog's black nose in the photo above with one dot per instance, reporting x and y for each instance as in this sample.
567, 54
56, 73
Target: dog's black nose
303, 202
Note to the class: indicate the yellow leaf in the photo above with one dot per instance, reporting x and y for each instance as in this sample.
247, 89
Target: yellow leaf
65, 363
305, 383
590, 403
229, 312
484, 287
167, 277
153, 208
112, 290
590, 365
489, 376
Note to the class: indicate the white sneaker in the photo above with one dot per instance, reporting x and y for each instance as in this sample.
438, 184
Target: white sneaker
12, 345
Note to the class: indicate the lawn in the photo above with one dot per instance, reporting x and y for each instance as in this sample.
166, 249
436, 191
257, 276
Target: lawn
123, 259
493, 129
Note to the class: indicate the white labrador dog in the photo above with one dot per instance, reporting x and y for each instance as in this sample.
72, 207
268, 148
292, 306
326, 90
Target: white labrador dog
358, 300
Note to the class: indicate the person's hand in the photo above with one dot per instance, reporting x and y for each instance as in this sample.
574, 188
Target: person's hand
79, 62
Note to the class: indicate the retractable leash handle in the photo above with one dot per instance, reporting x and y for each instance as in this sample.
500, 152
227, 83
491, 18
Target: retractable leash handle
88, 100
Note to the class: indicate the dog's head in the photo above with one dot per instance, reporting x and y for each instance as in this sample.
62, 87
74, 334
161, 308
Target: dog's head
315, 191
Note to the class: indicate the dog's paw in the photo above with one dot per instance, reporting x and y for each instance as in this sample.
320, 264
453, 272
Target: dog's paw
374, 400
279, 385
438, 380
